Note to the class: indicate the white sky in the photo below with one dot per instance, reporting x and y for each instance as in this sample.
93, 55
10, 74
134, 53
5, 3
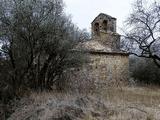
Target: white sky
84, 11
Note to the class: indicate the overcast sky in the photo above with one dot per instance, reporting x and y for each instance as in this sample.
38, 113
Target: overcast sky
84, 11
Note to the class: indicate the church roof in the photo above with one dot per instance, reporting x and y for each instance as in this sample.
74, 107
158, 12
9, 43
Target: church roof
92, 45
95, 47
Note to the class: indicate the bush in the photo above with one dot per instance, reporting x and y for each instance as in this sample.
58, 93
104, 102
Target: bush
144, 71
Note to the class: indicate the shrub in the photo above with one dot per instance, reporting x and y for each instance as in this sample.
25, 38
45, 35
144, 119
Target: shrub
144, 71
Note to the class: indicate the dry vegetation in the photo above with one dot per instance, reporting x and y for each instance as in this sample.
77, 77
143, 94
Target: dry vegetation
126, 103
135, 102
149, 97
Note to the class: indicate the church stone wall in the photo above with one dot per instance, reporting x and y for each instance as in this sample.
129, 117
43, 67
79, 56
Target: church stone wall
110, 40
104, 70
108, 68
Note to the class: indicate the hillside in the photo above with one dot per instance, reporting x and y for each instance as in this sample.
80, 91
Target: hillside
108, 104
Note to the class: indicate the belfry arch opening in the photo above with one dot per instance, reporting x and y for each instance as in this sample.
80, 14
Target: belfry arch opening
96, 28
105, 24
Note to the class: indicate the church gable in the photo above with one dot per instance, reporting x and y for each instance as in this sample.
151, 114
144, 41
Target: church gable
103, 23
104, 36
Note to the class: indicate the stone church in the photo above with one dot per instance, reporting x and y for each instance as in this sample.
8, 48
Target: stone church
107, 63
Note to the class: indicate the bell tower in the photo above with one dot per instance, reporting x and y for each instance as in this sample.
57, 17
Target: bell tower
104, 30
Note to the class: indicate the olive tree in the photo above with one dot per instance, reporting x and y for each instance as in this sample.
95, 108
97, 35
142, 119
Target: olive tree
36, 38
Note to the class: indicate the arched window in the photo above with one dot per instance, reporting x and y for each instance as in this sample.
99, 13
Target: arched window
105, 22
96, 28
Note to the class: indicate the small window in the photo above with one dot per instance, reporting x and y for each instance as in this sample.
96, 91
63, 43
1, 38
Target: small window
96, 28
105, 24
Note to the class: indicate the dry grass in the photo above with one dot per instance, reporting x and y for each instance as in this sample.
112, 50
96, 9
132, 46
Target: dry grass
133, 102
135, 95
121, 103
128, 103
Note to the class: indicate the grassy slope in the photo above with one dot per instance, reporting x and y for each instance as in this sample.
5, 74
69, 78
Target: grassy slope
126, 103
134, 102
